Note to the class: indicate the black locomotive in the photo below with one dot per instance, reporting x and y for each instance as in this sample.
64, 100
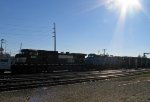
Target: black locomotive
37, 61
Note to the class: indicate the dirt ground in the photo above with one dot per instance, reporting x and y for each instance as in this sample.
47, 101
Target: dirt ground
127, 89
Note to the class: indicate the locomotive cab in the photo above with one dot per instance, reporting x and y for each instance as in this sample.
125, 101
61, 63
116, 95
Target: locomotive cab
26, 56
30, 56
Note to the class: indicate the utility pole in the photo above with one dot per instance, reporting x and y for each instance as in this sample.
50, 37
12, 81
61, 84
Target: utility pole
54, 37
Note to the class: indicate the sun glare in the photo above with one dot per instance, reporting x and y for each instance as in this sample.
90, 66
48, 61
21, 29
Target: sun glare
127, 5
124, 6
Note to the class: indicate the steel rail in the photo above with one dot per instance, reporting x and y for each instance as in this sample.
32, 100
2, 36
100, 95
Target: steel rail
52, 80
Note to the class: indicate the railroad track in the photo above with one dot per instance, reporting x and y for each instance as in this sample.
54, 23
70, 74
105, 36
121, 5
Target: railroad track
17, 82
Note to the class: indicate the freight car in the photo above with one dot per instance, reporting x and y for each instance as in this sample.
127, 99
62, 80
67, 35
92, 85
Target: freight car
117, 62
36, 61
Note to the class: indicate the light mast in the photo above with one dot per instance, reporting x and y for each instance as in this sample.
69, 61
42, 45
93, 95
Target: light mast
54, 37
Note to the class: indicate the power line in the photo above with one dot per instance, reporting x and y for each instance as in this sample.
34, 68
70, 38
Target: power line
23, 29
22, 26
9, 27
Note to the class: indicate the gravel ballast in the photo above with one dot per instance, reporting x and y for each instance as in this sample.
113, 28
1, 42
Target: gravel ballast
127, 89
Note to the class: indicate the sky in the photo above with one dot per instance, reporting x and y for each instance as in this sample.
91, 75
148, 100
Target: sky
82, 26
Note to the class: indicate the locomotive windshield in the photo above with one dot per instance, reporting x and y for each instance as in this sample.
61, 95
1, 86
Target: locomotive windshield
29, 52
91, 55
3, 60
